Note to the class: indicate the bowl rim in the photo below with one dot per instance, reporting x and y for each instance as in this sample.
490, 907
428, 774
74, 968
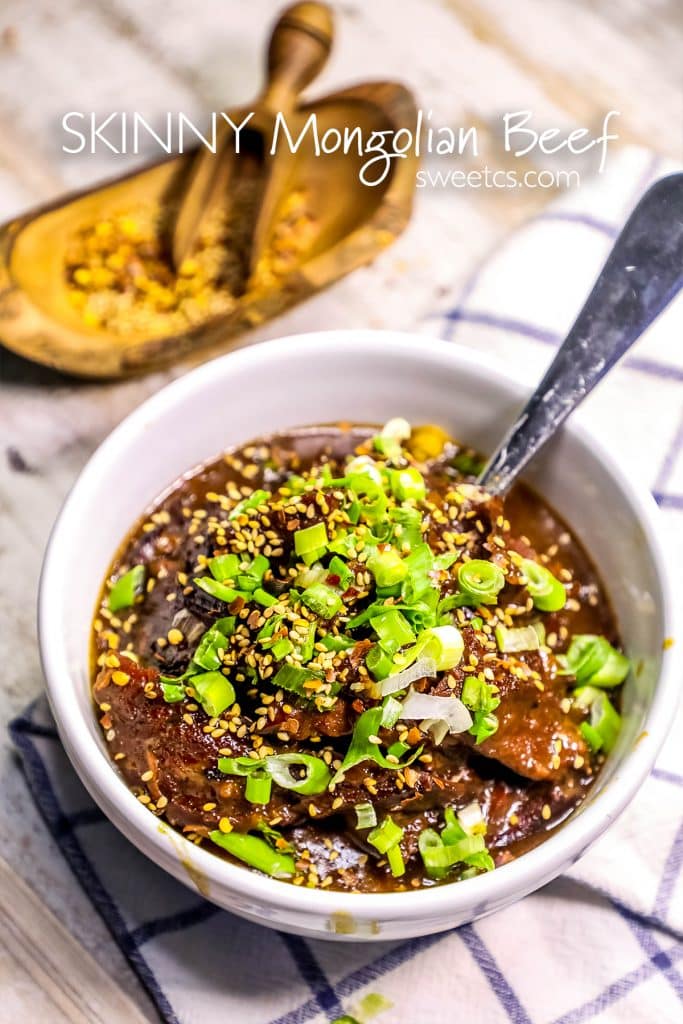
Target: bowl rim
107, 787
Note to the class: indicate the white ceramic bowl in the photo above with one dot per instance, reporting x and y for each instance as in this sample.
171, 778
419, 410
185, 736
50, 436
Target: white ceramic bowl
364, 376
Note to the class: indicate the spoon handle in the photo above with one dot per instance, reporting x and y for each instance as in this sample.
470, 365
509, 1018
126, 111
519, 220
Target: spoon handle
643, 272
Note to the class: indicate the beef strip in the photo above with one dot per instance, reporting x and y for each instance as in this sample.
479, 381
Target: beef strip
154, 737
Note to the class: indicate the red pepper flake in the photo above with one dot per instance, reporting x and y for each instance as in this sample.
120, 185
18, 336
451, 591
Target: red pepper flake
333, 579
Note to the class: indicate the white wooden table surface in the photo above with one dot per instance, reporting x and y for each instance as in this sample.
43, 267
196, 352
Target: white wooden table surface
467, 60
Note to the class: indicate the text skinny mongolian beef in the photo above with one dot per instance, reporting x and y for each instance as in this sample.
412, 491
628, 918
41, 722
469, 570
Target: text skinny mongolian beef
332, 657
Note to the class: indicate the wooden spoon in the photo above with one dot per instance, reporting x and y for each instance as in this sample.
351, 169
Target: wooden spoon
299, 47
351, 225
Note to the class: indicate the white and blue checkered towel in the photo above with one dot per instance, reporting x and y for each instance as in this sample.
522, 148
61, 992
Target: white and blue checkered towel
602, 944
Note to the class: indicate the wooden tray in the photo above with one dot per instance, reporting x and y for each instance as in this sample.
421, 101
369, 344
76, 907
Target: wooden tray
354, 222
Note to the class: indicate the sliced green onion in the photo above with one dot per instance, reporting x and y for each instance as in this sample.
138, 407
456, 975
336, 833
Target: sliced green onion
339, 568
586, 655
127, 588
239, 765
307, 647
439, 857
613, 671
408, 484
522, 638
259, 567
420, 564
468, 463
253, 501
172, 692
484, 726
395, 860
475, 693
263, 598
391, 710
482, 700
293, 678
337, 643
428, 842
407, 526
426, 706
224, 567
311, 538
275, 838
258, 788
362, 749
364, 485
423, 668
214, 692
546, 591
387, 567
398, 749
313, 775
602, 731
443, 645
269, 629
481, 581
296, 484
379, 663
226, 625
386, 835
253, 575
344, 544
471, 819
592, 659
216, 589
354, 511
322, 600
361, 466
256, 853
393, 630
314, 573
366, 816
210, 649
281, 648
388, 442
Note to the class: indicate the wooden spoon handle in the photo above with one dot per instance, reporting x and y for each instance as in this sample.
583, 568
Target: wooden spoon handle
299, 47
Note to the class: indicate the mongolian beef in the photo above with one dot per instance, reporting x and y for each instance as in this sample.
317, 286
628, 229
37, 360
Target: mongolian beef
331, 656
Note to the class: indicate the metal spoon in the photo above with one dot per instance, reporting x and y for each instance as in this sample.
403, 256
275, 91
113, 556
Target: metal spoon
643, 273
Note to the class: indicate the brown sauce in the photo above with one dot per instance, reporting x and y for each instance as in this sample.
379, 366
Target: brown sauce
526, 777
